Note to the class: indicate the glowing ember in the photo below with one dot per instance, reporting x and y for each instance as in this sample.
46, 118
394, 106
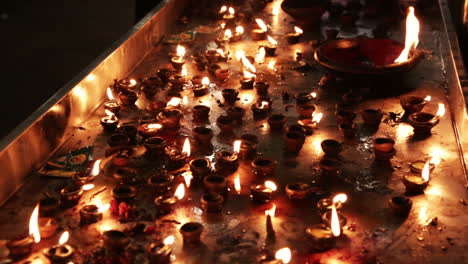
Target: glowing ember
272, 41
317, 117
271, 211
205, 81
87, 187
223, 9
335, 222
426, 172
96, 168
441, 110
298, 30
64, 238
284, 255
34, 225
271, 185
227, 34
260, 58
110, 95
231, 10
237, 145
186, 148
340, 198
180, 51
263, 104
261, 24
169, 240
237, 184
412, 35
239, 30
271, 65
427, 98
175, 101
187, 178
248, 75
180, 192
154, 126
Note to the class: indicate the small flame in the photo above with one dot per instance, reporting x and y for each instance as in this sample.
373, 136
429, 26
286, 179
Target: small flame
237, 184
180, 192
184, 71
271, 211
154, 126
64, 237
239, 30
227, 34
284, 255
249, 66
237, 145
260, 58
175, 101
313, 94
96, 168
205, 81
298, 30
221, 52
187, 178
248, 74
317, 117
271, 185
180, 51
427, 98
240, 54
169, 240
441, 110
87, 187
340, 198
109, 113
412, 35
335, 222
132, 82
101, 207
231, 10
261, 24
263, 104
34, 225
223, 9
272, 41
426, 172
110, 95
186, 147
271, 65
222, 25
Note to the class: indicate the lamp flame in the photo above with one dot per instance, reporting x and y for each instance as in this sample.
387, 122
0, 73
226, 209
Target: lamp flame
180, 51
154, 126
272, 40
426, 171
240, 54
237, 145
284, 255
34, 225
411, 37
298, 30
175, 101
317, 117
260, 58
169, 240
248, 74
87, 187
313, 94
109, 114
261, 24
205, 81
427, 98
249, 66
187, 178
335, 222
271, 211
227, 34
271, 65
64, 237
271, 185
132, 82
186, 147
180, 192
263, 104
237, 184
441, 110
231, 10
239, 30
96, 168
101, 207
340, 198
184, 71
110, 95
223, 9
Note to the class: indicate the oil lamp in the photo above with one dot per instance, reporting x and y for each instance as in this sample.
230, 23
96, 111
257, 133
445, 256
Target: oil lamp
149, 130
115, 240
71, 194
178, 158
150, 86
213, 56
261, 87
83, 178
170, 118
334, 219
160, 253
179, 60
212, 202
298, 191
227, 161
276, 121
260, 32
154, 147
347, 129
225, 123
320, 237
236, 113
191, 233
418, 166
124, 193
109, 122
222, 74
263, 193
164, 73
264, 167
294, 141
60, 253
412, 104
165, 204
215, 184
125, 175
111, 104
247, 81
125, 84
331, 147
415, 184
230, 95
160, 182
203, 135
128, 98
177, 82
261, 109
200, 167
270, 48
201, 113
400, 205
22, 247
329, 166
384, 148
372, 117
305, 98
423, 122
294, 37
92, 213
310, 124
345, 116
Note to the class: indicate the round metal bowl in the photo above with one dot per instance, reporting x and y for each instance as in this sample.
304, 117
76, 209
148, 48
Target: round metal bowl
365, 57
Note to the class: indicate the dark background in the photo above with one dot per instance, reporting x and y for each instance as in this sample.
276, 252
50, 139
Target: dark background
45, 43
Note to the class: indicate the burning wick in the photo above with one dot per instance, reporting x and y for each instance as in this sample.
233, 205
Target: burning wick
316, 117
61, 252
411, 37
231, 10
180, 51
246, 63
284, 255
186, 148
237, 184
110, 115
180, 192
298, 30
110, 95
223, 9
227, 35
426, 172
271, 186
239, 30
313, 94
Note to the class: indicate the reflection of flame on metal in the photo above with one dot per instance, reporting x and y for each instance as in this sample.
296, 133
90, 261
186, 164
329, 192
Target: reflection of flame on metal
271, 211
237, 184
180, 192
186, 148
64, 238
411, 37
261, 24
271, 185
180, 51
441, 110
34, 225
237, 145
169, 240
284, 255
298, 30
426, 171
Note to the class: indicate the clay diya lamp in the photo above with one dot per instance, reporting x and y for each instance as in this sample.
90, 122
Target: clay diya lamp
128, 98
59, 253
331, 147
294, 37
326, 218
213, 56
270, 48
176, 158
320, 237
212, 68
305, 110
264, 167
124, 193
329, 166
70, 195
247, 82
261, 109
147, 118
165, 204
203, 135
347, 129
197, 80
345, 116
109, 123
222, 74
112, 106
122, 158
83, 177
160, 182
230, 95
200, 167
20, 248
149, 130
170, 118
372, 117
414, 183
115, 240
417, 166
276, 121
400, 205
177, 82
47, 227
294, 141
304, 98
262, 87
226, 161
423, 123
262, 193
236, 113
225, 123
156, 106
201, 113
412, 104
295, 128
298, 191
48, 206
159, 253
150, 86
164, 74
125, 84
191, 233
260, 32
212, 202
129, 130
352, 98
200, 90
200, 63
215, 184
177, 63
384, 148
90, 214
248, 147
125, 175
154, 146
